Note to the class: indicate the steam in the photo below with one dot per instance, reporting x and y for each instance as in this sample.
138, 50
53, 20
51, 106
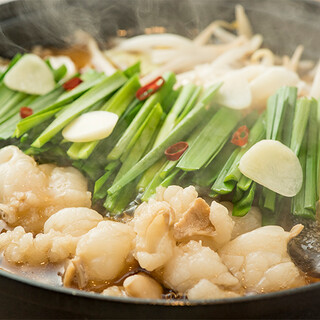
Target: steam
54, 22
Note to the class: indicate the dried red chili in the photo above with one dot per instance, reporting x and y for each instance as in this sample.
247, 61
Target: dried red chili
25, 112
240, 137
146, 91
71, 84
175, 151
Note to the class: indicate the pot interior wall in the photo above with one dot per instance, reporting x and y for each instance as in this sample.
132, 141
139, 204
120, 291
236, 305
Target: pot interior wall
26, 23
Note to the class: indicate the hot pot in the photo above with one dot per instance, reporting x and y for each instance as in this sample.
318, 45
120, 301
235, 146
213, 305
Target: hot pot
26, 23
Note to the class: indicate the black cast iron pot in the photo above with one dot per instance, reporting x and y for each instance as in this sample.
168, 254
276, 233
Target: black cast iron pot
23, 24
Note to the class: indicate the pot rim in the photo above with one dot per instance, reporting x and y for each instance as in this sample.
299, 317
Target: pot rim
9, 5
159, 302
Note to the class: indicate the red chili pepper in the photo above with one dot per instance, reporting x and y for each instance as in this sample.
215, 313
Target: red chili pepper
145, 92
175, 151
240, 137
71, 84
25, 112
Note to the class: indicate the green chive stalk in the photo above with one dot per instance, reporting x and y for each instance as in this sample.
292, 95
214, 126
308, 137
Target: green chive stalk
311, 195
257, 133
221, 186
117, 104
101, 185
210, 140
98, 92
243, 206
170, 121
206, 176
150, 103
298, 202
280, 116
300, 122
142, 140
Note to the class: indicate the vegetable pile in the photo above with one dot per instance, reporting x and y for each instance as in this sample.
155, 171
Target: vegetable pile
128, 139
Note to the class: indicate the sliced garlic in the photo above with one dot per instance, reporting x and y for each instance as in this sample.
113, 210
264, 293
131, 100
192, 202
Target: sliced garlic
269, 82
30, 75
235, 92
90, 126
273, 165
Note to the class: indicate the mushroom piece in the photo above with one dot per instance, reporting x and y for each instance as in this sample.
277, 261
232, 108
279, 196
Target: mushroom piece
304, 249
142, 286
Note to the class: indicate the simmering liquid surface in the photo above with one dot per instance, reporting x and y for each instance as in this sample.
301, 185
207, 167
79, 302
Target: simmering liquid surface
48, 274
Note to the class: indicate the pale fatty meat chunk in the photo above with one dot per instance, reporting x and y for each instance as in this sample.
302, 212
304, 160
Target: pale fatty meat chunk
101, 253
205, 289
29, 193
142, 286
154, 241
21, 247
252, 220
222, 222
73, 221
114, 291
178, 198
255, 257
191, 263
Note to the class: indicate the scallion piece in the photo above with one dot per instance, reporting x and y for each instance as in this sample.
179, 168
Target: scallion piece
207, 175
300, 122
170, 178
151, 172
221, 186
210, 140
310, 198
178, 106
122, 144
142, 139
5, 94
177, 134
280, 118
243, 206
132, 70
298, 201
122, 98
101, 186
244, 183
257, 133
276, 108
192, 101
